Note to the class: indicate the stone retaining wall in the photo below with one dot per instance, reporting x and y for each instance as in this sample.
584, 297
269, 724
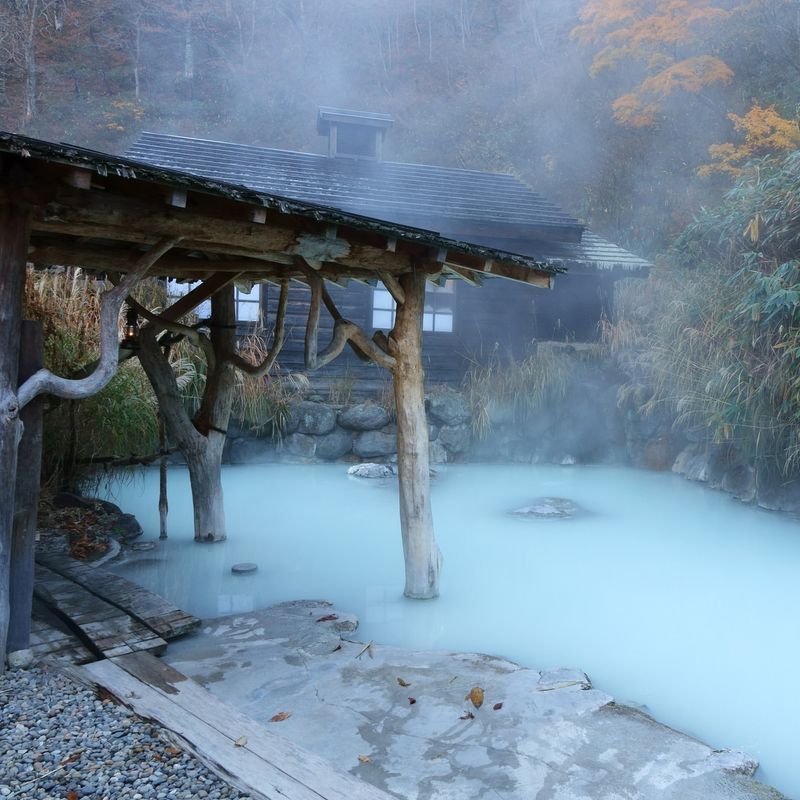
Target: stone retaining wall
588, 425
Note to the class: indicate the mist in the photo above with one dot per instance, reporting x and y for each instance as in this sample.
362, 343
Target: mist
645, 120
486, 85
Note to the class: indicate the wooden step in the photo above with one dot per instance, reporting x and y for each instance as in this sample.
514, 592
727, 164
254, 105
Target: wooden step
102, 626
238, 749
51, 639
166, 620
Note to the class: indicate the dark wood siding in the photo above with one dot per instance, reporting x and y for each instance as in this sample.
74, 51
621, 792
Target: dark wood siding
499, 317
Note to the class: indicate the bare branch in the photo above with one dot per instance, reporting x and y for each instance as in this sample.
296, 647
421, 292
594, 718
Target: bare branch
344, 331
192, 335
45, 381
259, 370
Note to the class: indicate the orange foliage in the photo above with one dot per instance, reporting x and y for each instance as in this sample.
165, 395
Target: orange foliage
765, 131
649, 32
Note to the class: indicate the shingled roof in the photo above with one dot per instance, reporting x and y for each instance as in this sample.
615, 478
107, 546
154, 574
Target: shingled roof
487, 208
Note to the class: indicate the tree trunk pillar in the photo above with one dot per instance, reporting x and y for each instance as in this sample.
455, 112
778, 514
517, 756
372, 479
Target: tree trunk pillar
13, 252
29, 467
423, 560
205, 476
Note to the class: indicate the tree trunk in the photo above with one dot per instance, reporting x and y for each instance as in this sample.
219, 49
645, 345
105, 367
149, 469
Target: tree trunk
163, 501
205, 476
13, 251
201, 440
29, 467
423, 560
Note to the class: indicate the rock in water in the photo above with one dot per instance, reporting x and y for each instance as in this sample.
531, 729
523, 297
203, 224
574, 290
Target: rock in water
245, 568
371, 471
549, 508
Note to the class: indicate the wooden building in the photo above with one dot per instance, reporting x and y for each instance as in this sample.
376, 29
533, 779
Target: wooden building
461, 324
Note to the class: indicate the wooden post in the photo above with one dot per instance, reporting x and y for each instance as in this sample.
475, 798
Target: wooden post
423, 560
163, 502
29, 466
14, 234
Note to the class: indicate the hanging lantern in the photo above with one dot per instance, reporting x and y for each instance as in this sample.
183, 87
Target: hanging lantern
130, 338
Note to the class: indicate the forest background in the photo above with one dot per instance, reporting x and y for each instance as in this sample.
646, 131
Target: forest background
668, 126
609, 107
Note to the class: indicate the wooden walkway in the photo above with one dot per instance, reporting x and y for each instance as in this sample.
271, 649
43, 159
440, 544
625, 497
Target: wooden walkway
164, 619
242, 752
111, 615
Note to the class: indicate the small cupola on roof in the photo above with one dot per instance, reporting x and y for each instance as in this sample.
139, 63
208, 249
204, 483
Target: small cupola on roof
353, 134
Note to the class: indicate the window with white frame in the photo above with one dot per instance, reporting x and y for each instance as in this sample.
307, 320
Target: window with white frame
437, 317
248, 304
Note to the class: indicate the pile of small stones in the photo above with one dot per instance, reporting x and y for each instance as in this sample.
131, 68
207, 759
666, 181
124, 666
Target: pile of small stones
58, 740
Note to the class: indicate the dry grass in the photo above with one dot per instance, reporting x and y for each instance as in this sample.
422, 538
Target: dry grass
524, 386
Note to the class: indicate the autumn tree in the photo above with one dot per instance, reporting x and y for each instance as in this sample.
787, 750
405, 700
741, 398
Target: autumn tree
666, 41
763, 131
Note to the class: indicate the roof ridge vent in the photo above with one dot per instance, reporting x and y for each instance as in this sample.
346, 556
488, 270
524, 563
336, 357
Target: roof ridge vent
353, 134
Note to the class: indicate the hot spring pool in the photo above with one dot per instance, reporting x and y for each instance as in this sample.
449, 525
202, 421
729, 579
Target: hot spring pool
668, 595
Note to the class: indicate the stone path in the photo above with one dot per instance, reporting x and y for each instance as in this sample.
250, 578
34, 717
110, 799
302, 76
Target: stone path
402, 721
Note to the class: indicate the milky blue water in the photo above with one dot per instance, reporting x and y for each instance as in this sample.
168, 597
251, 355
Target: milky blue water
667, 594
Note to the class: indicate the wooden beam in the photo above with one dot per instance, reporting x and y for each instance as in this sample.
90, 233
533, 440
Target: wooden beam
393, 286
13, 249
79, 178
122, 219
75, 253
473, 278
504, 269
242, 752
26, 501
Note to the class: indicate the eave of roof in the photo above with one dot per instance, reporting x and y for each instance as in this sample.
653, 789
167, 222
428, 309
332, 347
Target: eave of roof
104, 164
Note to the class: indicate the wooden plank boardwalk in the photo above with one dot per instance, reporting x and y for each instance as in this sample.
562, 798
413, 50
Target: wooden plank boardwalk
158, 614
237, 748
103, 627
51, 638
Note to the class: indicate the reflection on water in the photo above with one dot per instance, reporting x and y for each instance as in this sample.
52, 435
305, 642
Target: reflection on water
667, 594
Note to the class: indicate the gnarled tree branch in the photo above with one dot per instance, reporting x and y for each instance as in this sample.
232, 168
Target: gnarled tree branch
44, 381
259, 370
192, 335
344, 331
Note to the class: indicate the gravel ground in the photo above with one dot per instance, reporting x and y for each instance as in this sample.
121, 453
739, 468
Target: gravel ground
59, 742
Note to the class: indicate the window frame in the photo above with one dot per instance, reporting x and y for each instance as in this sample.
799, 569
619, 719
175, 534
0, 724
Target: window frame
433, 309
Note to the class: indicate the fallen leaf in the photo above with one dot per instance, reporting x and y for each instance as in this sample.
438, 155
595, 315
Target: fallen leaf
365, 759
328, 618
72, 795
403, 683
497, 706
467, 715
476, 696
240, 742
281, 716
412, 700
172, 751
73, 758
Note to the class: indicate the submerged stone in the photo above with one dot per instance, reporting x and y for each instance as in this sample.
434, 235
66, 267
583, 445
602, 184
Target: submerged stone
371, 471
245, 568
549, 508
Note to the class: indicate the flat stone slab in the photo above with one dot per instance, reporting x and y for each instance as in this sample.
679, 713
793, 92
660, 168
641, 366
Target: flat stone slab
403, 719
549, 508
